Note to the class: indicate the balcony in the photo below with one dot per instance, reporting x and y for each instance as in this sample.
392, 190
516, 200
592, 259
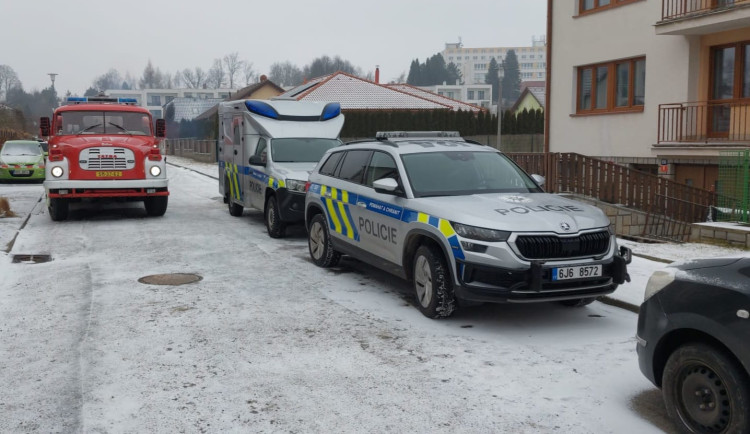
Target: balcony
701, 17
703, 128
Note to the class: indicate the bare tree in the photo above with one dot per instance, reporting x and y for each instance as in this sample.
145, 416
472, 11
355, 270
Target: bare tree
109, 80
285, 74
8, 80
249, 73
193, 78
233, 65
149, 79
177, 79
216, 75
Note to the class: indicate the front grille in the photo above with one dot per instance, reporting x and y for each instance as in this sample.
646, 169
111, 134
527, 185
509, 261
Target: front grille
555, 247
107, 159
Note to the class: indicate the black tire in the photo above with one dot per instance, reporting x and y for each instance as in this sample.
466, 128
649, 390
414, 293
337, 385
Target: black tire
433, 286
578, 302
156, 206
705, 390
235, 210
276, 228
319, 243
58, 209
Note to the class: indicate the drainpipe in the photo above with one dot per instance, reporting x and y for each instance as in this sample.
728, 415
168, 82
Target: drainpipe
548, 73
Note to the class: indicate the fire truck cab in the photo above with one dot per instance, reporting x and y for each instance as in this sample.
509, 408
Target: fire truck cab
104, 148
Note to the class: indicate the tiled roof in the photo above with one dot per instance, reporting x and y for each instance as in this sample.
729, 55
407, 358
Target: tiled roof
354, 93
453, 103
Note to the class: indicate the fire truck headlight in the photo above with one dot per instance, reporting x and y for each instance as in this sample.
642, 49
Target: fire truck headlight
155, 170
57, 171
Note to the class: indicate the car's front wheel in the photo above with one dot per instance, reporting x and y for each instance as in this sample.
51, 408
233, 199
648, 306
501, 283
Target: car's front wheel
432, 283
274, 225
706, 391
156, 206
58, 209
319, 243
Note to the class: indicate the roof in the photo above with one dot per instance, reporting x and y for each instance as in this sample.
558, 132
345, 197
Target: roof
190, 108
453, 103
417, 145
355, 93
535, 93
244, 93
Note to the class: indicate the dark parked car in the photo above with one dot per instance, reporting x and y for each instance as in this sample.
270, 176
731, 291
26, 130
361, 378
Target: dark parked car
694, 343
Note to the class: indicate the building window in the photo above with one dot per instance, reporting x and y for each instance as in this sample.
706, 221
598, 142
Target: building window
470, 94
612, 86
154, 100
480, 94
586, 6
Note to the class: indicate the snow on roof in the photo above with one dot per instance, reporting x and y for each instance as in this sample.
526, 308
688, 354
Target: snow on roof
190, 108
354, 93
452, 103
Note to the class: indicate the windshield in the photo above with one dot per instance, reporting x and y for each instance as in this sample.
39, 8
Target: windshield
454, 173
99, 122
299, 150
21, 149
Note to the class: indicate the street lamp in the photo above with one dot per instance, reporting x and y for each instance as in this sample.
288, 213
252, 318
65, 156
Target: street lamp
52, 76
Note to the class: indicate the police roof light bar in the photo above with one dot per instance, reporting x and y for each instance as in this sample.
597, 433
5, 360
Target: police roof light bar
100, 100
417, 134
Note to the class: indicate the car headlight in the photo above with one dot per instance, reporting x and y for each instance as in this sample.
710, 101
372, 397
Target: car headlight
480, 234
295, 185
57, 171
155, 170
658, 280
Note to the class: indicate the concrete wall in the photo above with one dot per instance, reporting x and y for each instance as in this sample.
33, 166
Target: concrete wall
732, 234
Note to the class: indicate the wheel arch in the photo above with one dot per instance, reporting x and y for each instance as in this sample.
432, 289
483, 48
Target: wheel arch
676, 338
419, 237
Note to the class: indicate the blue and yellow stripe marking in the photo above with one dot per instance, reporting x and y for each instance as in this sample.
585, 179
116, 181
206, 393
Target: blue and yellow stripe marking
337, 202
235, 172
235, 190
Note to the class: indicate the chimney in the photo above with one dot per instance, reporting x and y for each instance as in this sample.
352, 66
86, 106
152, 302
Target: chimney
263, 78
377, 74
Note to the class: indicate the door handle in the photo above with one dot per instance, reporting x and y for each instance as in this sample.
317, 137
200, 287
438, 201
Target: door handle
361, 204
235, 152
328, 194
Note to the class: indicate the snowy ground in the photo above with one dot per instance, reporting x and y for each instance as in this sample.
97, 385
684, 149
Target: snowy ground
267, 342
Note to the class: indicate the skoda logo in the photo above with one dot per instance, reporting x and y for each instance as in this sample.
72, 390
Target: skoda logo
564, 226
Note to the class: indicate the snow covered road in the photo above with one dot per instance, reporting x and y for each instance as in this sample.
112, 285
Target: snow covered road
268, 342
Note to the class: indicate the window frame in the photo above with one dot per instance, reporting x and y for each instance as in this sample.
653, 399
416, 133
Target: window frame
611, 89
596, 8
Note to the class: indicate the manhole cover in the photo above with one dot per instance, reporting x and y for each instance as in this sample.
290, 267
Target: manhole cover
31, 259
173, 279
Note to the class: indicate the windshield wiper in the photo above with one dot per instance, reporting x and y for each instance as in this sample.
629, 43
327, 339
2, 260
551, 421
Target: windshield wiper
118, 126
89, 128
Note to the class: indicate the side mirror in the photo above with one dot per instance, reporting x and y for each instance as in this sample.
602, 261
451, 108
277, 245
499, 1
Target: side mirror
539, 179
385, 185
44, 127
161, 128
626, 254
256, 160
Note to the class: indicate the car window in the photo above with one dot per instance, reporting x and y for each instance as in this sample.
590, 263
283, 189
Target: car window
329, 167
21, 149
381, 166
354, 165
301, 150
465, 172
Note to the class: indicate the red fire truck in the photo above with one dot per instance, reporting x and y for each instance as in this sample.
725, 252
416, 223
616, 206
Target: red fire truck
104, 148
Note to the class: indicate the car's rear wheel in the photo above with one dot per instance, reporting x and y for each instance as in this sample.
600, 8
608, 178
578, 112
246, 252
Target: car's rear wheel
432, 283
274, 224
578, 302
319, 243
235, 209
706, 391
156, 206
58, 209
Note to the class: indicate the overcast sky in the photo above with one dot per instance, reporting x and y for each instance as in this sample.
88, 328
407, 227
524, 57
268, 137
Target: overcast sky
82, 39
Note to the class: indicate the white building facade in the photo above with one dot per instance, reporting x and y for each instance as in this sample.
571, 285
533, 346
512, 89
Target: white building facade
658, 84
155, 99
477, 94
474, 62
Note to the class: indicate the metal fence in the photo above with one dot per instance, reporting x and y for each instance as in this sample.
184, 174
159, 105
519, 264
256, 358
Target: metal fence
199, 150
674, 9
704, 121
733, 186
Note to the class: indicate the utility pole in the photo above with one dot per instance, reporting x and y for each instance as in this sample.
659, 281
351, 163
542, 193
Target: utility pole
499, 109
52, 76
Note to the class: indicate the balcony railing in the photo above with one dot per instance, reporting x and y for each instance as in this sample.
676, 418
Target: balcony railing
705, 122
674, 9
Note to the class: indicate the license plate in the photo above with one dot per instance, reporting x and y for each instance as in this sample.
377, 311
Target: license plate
577, 272
21, 172
109, 174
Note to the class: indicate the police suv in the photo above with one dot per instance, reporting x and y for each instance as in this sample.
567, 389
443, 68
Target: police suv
461, 221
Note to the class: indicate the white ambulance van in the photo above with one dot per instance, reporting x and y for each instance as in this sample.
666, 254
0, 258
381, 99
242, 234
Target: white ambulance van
267, 149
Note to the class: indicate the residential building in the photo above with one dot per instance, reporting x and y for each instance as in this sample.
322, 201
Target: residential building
155, 99
189, 108
474, 62
475, 94
658, 84
531, 98
263, 89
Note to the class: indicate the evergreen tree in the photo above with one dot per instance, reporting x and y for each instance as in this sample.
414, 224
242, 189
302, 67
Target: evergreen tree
493, 78
511, 84
415, 76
